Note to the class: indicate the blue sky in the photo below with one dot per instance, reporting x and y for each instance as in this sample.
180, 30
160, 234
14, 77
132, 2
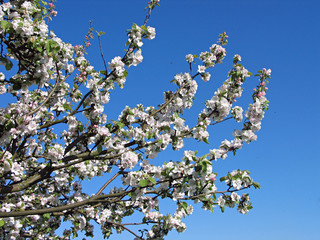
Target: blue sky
283, 35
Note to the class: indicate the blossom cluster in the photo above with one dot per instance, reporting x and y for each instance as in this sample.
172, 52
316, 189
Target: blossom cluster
237, 180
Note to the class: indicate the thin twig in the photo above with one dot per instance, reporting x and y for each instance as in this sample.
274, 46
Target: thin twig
221, 121
121, 225
101, 52
147, 17
107, 183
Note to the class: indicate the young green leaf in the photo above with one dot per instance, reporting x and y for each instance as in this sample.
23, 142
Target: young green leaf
143, 183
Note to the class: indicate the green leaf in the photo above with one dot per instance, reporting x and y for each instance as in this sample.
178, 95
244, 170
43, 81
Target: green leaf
222, 209
39, 49
1, 222
107, 232
4, 24
6, 62
223, 179
101, 33
152, 180
184, 205
166, 128
48, 46
143, 183
9, 125
204, 158
8, 65
149, 135
67, 107
120, 124
99, 148
206, 141
130, 112
144, 28
80, 127
103, 72
211, 208
109, 126
46, 216
256, 185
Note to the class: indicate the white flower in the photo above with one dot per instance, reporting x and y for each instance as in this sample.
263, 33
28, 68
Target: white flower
6, 166
82, 222
55, 153
235, 197
129, 160
237, 143
70, 68
267, 72
80, 60
200, 134
189, 58
117, 61
201, 69
221, 201
27, 5
206, 76
135, 58
237, 184
237, 58
154, 216
151, 32
2, 89
103, 131
151, 233
179, 102
249, 136
106, 213
237, 113
43, 28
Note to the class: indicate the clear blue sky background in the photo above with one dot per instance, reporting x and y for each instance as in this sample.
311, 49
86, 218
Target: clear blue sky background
283, 35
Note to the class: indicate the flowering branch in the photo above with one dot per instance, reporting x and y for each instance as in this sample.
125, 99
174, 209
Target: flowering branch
48, 149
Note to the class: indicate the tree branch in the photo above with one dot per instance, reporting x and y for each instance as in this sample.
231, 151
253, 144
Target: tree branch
122, 225
107, 183
89, 201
